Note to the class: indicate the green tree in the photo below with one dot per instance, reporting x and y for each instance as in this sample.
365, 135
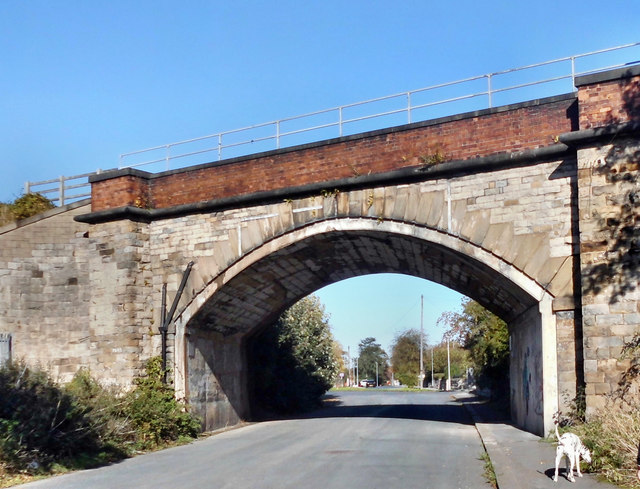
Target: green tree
458, 359
294, 361
405, 357
370, 355
486, 337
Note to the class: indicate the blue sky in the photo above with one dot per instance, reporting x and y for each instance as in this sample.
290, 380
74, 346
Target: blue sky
82, 82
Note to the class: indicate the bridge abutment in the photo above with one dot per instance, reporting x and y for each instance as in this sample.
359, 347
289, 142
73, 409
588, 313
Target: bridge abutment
531, 209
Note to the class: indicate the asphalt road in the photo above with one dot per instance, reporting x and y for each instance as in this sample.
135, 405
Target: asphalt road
375, 438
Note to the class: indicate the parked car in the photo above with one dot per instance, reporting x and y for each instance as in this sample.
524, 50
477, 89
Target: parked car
367, 383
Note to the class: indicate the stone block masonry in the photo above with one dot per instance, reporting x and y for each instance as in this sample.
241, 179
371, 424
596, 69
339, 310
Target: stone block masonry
530, 209
74, 296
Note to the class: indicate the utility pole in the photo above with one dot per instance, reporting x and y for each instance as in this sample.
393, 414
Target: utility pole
357, 372
421, 340
376, 374
350, 366
448, 368
432, 380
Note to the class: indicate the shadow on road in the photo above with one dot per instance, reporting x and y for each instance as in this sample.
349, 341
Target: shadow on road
447, 412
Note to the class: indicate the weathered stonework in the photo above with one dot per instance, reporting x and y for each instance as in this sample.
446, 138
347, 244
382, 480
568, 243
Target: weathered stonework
533, 213
77, 296
610, 261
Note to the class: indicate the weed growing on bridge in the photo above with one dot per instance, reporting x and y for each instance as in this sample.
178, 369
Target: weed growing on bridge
329, 193
24, 206
370, 200
143, 201
433, 158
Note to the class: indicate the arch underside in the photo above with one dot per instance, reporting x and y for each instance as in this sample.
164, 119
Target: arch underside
251, 293
255, 297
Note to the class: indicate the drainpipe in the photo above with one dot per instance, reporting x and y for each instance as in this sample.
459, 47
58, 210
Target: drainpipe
167, 318
163, 331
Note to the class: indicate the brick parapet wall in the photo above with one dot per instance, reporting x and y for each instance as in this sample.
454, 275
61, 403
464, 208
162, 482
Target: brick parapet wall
128, 190
609, 98
506, 130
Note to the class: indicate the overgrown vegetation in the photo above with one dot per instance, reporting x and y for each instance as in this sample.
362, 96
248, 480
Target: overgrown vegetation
44, 425
293, 362
613, 433
486, 337
154, 412
24, 206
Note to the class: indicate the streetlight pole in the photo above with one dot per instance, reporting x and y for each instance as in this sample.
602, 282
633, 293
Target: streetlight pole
421, 341
350, 373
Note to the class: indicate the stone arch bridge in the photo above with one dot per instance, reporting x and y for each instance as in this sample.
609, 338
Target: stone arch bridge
530, 209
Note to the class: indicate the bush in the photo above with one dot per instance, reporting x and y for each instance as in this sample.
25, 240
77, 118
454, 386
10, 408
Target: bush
104, 408
408, 379
29, 205
154, 412
42, 423
39, 422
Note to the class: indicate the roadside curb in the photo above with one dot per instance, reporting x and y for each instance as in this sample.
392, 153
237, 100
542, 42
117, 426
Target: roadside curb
521, 460
505, 478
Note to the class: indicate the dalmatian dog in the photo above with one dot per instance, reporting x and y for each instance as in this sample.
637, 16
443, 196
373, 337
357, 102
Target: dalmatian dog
570, 446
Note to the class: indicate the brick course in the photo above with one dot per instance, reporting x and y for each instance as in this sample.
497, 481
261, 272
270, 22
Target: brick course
492, 132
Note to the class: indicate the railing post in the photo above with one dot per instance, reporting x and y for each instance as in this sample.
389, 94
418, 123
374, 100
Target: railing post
573, 71
340, 120
277, 134
61, 191
409, 107
219, 146
27, 187
489, 90
167, 154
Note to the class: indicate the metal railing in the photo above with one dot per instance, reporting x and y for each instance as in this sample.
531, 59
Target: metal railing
479, 92
62, 193
412, 109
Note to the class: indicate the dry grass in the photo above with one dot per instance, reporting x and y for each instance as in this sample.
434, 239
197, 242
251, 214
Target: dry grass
613, 437
6, 216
